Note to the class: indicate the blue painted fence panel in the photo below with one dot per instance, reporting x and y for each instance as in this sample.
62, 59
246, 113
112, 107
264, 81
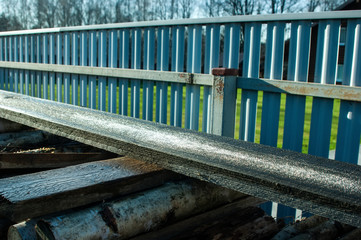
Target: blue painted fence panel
93, 54
102, 62
325, 73
66, 76
136, 61
59, 60
194, 54
211, 60
162, 65
349, 125
148, 86
75, 62
176, 104
113, 63
123, 63
251, 63
45, 61
2, 59
52, 58
273, 70
84, 62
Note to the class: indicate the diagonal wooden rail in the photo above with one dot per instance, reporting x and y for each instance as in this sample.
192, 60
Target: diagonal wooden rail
321, 186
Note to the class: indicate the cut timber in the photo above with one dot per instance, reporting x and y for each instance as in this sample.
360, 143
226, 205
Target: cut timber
50, 191
48, 160
23, 231
185, 228
299, 227
138, 213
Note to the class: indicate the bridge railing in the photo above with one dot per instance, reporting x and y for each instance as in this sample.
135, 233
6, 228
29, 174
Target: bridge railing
162, 71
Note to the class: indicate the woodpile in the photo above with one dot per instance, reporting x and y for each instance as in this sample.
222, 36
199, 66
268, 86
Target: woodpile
65, 190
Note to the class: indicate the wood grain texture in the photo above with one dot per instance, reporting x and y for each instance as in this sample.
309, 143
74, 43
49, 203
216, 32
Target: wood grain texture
50, 191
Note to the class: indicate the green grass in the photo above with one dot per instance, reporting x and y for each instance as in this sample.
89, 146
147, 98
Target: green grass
307, 119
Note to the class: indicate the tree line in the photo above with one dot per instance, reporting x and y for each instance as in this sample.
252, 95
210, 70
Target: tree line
30, 14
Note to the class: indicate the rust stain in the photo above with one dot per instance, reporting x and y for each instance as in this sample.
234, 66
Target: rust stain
219, 87
109, 218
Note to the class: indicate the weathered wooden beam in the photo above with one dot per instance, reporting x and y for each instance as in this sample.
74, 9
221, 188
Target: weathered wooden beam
321, 186
16, 161
37, 194
138, 213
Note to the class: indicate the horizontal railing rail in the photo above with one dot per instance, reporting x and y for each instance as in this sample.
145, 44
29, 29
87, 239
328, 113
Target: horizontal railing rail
341, 92
150, 75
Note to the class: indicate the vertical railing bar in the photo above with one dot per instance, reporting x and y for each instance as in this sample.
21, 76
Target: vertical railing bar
273, 70
148, 64
135, 84
231, 60
75, 62
6, 58
92, 63
16, 59
59, 76
113, 57
102, 63
52, 61
176, 108
38, 60
21, 59
349, 124
211, 60
83, 62
193, 66
162, 65
123, 63
251, 65
67, 57
325, 73
32, 59
297, 71
2, 78
11, 58
45, 61
26, 52
299, 52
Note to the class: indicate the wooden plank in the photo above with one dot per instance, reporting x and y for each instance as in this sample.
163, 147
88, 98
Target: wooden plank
48, 160
55, 190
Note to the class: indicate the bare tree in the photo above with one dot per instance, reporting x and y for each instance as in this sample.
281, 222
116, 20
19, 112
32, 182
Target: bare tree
239, 7
45, 13
214, 8
122, 11
312, 5
185, 8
